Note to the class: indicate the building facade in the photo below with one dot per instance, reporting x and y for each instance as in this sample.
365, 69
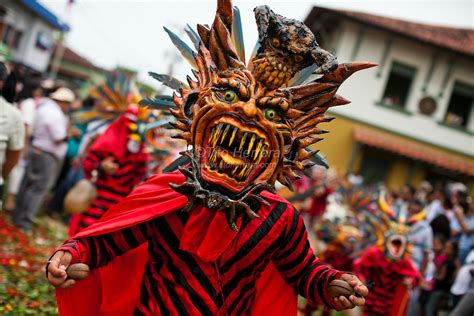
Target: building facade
77, 71
412, 117
27, 29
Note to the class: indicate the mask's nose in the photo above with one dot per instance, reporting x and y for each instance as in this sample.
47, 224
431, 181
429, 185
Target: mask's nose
249, 108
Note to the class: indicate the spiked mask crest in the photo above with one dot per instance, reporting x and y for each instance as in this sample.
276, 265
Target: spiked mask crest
246, 125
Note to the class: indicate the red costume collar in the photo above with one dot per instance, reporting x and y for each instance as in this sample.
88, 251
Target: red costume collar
206, 233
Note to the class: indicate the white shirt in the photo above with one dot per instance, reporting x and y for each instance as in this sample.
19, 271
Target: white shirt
28, 109
421, 236
12, 131
50, 126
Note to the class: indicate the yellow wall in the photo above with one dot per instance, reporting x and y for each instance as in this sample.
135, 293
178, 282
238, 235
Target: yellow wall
338, 145
397, 174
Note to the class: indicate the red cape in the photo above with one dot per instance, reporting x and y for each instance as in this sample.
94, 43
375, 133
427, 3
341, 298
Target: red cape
107, 292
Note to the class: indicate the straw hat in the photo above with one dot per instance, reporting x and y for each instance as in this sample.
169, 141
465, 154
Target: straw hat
63, 94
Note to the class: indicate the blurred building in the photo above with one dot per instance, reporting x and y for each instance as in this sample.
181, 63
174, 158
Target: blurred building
27, 29
76, 70
412, 117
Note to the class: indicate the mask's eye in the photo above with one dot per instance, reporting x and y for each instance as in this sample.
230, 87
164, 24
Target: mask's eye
230, 96
271, 114
298, 58
275, 42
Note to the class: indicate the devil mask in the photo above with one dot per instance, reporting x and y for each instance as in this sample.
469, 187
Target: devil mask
246, 126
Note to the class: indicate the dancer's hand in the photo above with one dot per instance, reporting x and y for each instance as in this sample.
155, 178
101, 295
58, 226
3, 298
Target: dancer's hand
56, 270
109, 165
352, 292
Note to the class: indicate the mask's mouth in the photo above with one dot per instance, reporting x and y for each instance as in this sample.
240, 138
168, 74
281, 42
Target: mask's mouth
396, 245
233, 153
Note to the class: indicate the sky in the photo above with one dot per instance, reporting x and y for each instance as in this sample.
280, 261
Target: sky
130, 32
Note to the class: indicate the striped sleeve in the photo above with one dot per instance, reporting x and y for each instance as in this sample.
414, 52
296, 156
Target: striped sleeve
298, 265
91, 162
97, 251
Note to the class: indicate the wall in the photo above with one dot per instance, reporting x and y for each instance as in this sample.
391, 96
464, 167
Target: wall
367, 87
30, 25
339, 148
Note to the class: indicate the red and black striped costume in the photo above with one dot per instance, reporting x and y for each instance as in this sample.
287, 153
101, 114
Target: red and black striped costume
389, 295
177, 282
111, 188
337, 258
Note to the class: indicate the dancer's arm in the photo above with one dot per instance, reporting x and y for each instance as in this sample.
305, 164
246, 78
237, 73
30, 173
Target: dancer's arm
310, 276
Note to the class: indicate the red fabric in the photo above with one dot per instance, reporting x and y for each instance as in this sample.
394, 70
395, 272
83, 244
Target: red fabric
274, 296
401, 300
207, 236
111, 188
338, 259
388, 277
205, 245
318, 203
115, 138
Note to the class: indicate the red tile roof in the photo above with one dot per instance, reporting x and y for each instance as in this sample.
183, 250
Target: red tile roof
414, 150
458, 40
71, 56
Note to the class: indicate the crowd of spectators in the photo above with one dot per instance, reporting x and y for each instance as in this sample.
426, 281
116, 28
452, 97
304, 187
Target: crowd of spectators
442, 238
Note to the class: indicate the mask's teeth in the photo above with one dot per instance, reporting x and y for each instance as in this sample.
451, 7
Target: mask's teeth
221, 164
234, 132
218, 133
280, 66
257, 150
242, 172
235, 170
242, 141
213, 156
213, 134
252, 141
261, 156
227, 128
248, 172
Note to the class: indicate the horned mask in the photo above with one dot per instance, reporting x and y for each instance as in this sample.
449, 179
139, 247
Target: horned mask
247, 125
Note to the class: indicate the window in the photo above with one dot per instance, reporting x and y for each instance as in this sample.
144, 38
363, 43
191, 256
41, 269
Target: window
375, 164
398, 85
6, 33
2, 28
460, 106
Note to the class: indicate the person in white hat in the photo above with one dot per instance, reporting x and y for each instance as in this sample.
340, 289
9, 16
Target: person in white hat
45, 155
